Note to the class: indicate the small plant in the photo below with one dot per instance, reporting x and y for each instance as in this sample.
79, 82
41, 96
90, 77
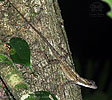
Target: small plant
19, 51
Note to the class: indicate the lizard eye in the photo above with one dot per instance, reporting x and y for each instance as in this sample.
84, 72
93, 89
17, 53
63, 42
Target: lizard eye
92, 84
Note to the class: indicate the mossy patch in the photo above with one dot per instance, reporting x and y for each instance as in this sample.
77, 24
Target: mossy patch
14, 79
20, 86
10, 74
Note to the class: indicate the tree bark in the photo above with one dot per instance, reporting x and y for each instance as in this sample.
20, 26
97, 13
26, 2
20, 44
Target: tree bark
45, 16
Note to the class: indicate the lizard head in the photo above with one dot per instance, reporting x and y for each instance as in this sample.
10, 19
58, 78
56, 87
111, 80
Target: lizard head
87, 83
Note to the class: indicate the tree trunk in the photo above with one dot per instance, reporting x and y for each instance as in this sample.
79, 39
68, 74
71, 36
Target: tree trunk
45, 16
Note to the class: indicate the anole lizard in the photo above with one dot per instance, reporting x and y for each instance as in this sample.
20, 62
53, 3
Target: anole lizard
69, 72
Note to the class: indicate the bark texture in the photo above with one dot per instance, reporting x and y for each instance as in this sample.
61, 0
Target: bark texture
46, 17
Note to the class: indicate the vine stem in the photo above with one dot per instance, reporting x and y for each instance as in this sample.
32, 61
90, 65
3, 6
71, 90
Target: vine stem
31, 68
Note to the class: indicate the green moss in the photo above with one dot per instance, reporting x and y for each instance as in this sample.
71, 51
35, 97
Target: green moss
10, 74
20, 86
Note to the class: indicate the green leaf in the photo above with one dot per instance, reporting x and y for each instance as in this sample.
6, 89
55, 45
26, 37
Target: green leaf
5, 60
19, 51
109, 2
41, 95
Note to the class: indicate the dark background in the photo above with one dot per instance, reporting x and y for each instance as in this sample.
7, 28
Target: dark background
89, 33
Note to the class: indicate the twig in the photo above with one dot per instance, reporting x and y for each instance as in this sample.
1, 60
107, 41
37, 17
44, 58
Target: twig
7, 88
